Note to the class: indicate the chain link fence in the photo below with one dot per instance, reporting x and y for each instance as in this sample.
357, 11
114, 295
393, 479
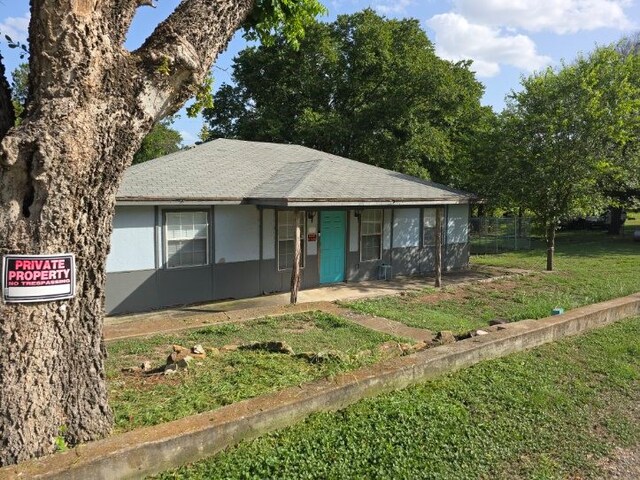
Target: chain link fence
496, 235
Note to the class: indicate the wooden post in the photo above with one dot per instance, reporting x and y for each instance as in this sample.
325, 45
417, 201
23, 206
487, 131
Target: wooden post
438, 282
297, 253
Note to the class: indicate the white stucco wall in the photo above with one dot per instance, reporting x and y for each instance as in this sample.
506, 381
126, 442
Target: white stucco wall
268, 234
237, 233
458, 223
406, 227
132, 240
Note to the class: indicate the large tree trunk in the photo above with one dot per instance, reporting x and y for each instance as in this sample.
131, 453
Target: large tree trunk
91, 102
615, 225
550, 236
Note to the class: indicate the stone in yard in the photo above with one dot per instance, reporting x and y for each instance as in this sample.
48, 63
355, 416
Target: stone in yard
184, 362
482, 332
444, 337
170, 369
497, 321
146, 366
197, 351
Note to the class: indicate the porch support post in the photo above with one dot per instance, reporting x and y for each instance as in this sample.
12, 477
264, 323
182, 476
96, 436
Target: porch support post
438, 282
297, 253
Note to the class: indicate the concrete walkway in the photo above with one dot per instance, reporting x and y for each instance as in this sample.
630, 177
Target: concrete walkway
381, 324
232, 311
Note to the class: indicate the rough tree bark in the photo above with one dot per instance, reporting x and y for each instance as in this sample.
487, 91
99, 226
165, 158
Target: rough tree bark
91, 102
438, 259
295, 268
615, 225
550, 236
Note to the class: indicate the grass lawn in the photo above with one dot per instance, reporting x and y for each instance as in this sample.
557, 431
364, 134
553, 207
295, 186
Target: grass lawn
552, 412
590, 267
229, 377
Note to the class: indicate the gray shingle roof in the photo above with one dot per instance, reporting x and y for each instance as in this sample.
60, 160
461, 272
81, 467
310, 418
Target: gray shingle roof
274, 174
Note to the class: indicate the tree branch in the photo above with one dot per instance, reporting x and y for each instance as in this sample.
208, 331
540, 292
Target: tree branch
178, 55
7, 112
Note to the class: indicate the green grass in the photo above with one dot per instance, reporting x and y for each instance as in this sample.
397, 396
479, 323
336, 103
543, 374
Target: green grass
226, 378
590, 267
548, 413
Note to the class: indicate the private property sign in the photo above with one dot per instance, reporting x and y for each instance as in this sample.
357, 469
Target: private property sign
38, 278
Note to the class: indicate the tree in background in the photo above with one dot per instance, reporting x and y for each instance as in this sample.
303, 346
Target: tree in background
89, 105
19, 88
364, 87
619, 65
565, 134
161, 140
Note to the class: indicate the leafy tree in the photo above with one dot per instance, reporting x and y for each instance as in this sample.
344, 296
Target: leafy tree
620, 65
161, 140
90, 104
363, 87
565, 133
20, 88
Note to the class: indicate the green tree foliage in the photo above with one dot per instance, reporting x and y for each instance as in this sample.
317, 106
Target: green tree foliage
568, 131
161, 140
19, 88
363, 87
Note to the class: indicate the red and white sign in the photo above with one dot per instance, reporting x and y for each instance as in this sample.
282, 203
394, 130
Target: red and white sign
38, 278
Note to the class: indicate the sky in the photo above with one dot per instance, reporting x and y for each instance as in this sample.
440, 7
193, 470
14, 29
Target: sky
506, 39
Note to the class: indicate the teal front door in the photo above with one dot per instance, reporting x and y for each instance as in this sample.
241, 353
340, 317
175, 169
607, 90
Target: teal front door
333, 229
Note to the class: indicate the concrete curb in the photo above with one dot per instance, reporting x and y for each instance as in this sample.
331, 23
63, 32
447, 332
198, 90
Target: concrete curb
154, 449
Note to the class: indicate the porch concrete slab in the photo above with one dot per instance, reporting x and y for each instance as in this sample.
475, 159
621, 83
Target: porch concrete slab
188, 317
154, 449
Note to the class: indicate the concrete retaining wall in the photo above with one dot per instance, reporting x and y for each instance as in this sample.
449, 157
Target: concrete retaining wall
154, 449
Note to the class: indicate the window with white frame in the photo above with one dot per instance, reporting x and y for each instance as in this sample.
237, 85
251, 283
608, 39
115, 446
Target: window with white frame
187, 238
370, 235
286, 238
429, 227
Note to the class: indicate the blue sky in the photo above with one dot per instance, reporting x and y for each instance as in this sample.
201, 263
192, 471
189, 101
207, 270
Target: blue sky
505, 38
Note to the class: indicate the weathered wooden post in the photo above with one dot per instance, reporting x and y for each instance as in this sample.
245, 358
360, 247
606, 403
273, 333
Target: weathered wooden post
295, 269
438, 282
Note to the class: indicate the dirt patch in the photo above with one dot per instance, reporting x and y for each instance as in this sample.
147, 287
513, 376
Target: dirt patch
622, 464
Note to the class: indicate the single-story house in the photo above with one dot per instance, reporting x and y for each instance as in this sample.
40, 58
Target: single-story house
217, 221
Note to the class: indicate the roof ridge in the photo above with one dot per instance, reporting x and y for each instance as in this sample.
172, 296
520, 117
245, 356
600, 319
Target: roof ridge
316, 163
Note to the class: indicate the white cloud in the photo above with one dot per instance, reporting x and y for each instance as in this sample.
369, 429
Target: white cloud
16, 27
458, 39
392, 7
558, 16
